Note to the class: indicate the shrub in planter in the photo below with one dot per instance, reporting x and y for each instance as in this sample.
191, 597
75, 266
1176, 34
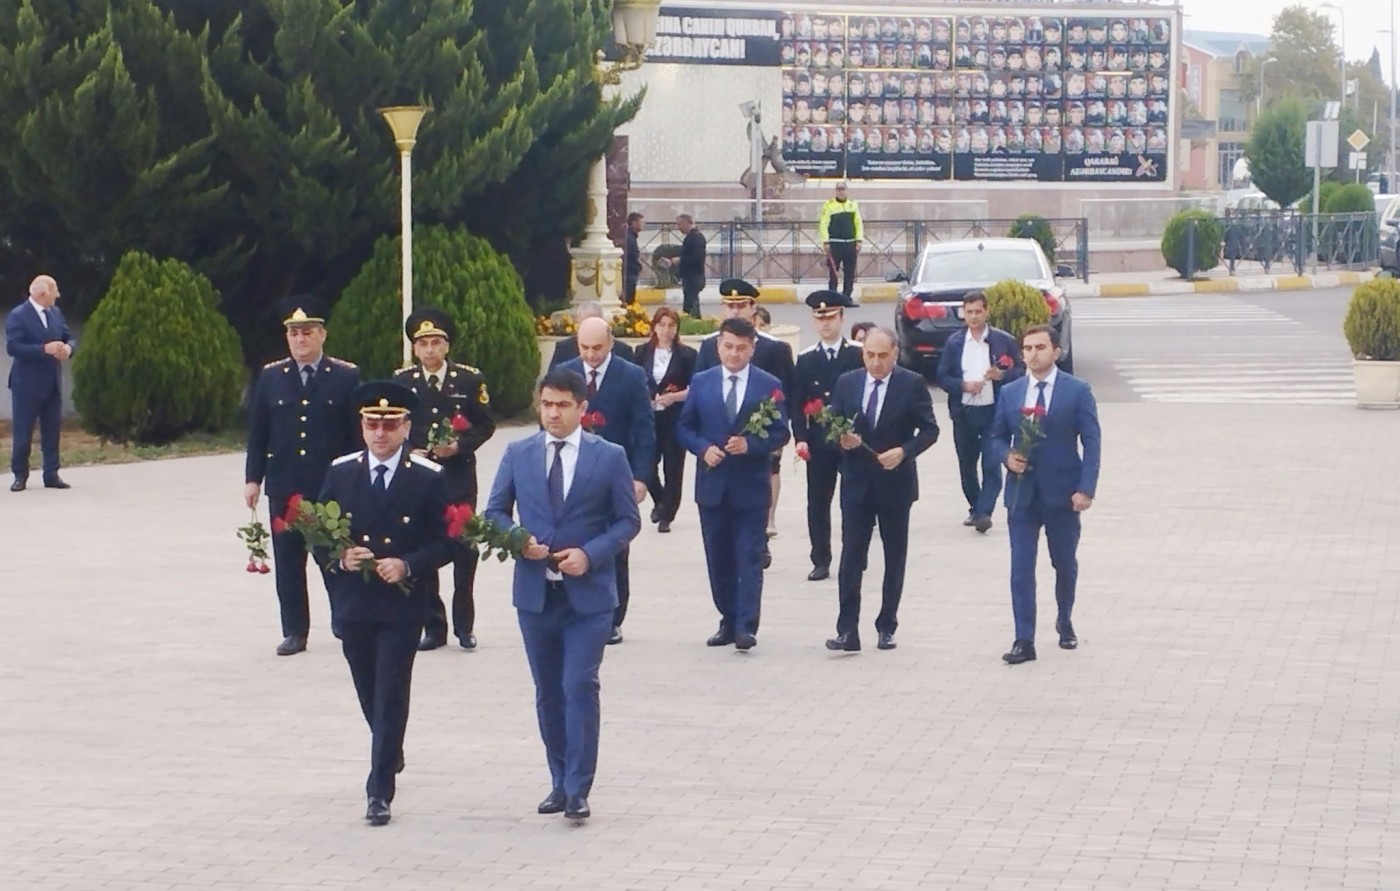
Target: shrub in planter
1208, 238
461, 274
157, 359
1036, 228
1013, 306
693, 326
1372, 323
666, 272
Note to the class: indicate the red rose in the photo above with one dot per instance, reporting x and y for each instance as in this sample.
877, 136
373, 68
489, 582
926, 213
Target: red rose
776, 395
1006, 362
1028, 411
813, 408
1038, 411
293, 505
594, 419
264, 569
460, 424
279, 525
252, 567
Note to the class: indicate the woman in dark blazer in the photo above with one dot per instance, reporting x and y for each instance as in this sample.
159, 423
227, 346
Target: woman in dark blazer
668, 364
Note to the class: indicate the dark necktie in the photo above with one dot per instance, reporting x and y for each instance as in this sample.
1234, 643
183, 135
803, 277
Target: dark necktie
48, 318
731, 400
1040, 394
434, 383
831, 354
592, 383
872, 405
307, 373
556, 478
379, 486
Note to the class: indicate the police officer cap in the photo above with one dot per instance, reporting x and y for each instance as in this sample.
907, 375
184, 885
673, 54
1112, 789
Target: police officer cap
304, 310
736, 290
385, 399
826, 304
430, 322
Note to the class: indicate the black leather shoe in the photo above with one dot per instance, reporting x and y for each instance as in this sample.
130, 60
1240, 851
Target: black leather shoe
1021, 651
847, 642
19, 485
553, 804
398, 768
615, 637
1068, 639
886, 641
290, 646
818, 573
576, 808
663, 526
721, 638
656, 514
468, 642
970, 521
378, 812
767, 559
431, 643
743, 641
54, 482
982, 524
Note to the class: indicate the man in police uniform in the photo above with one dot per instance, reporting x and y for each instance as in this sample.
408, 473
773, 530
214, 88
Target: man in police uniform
818, 367
445, 391
740, 299
397, 506
299, 418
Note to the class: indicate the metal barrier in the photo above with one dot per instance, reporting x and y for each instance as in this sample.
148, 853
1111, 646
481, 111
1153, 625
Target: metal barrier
1260, 240
790, 252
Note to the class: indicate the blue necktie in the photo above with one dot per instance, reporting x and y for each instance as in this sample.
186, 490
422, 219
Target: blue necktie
379, 486
872, 405
1040, 394
731, 401
556, 478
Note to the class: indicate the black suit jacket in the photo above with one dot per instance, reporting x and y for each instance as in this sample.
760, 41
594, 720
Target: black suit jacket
463, 392
625, 405
691, 264
906, 420
814, 376
677, 377
294, 432
567, 349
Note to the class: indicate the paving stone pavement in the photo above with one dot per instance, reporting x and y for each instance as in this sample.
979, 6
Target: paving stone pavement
1229, 722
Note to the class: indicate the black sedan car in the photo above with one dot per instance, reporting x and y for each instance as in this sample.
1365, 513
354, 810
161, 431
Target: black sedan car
930, 300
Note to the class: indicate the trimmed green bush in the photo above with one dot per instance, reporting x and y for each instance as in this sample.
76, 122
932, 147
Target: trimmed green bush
1372, 323
1348, 198
1013, 306
1328, 189
1209, 234
462, 274
693, 326
666, 272
157, 360
1036, 228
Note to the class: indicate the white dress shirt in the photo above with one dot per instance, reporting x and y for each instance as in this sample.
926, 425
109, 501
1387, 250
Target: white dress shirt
1032, 391
569, 457
742, 385
440, 376
602, 372
392, 463
660, 363
41, 310
880, 402
831, 349
976, 361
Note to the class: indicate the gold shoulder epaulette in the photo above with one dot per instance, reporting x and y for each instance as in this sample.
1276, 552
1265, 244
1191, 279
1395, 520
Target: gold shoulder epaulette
275, 362
342, 363
472, 368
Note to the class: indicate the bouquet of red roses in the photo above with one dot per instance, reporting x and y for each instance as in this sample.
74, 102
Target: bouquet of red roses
255, 537
1028, 436
442, 434
592, 421
325, 527
470, 528
835, 425
765, 415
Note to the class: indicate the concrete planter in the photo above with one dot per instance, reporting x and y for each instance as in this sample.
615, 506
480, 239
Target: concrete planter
1377, 384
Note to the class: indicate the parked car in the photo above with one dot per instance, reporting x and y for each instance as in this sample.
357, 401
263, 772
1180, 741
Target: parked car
1389, 233
930, 299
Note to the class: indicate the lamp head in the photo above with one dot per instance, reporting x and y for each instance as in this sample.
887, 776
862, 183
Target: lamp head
403, 120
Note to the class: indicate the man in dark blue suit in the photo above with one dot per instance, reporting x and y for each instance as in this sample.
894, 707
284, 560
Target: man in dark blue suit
976, 363
397, 506
731, 479
1052, 484
300, 418
572, 490
894, 425
38, 340
619, 397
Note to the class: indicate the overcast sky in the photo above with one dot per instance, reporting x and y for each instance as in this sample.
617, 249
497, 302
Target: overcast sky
1364, 18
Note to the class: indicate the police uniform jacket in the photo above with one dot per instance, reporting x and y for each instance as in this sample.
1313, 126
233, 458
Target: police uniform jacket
408, 521
814, 377
294, 432
463, 392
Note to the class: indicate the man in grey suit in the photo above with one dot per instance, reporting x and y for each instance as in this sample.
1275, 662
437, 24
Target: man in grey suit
573, 492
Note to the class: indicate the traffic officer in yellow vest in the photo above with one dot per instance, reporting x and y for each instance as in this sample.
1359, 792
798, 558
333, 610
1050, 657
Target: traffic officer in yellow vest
840, 230
453, 410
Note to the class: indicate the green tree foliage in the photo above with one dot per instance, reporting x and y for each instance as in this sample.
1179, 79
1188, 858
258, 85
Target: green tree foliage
1327, 189
1303, 42
1013, 306
1038, 229
1275, 152
1349, 198
1176, 241
157, 358
461, 274
1372, 323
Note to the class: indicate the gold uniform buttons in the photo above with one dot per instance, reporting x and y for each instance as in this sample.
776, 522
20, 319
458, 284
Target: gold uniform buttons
366, 539
302, 452
303, 419
405, 519
388, 540
303, 434
306, 402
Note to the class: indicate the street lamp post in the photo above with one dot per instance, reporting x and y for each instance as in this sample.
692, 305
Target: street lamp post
597, 264
1390, 185
403, 120
1259, 100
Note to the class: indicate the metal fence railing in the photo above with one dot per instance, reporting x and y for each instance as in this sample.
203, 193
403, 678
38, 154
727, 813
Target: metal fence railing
790, 252
1265, 240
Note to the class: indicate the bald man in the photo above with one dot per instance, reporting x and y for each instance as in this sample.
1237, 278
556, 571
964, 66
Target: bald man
39, 342
620, 402
567, 349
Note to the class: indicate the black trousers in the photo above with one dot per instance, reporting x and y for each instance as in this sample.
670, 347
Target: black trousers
670, 462
857, 528
629, 289
624, 586
463, 598
381, 664
972, 425
691, 286
843, 256
289, 571
822, 472
48, 412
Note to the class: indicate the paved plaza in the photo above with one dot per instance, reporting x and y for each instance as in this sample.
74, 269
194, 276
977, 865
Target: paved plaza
1230, 720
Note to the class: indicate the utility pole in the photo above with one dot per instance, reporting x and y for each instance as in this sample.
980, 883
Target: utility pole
1390, 184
